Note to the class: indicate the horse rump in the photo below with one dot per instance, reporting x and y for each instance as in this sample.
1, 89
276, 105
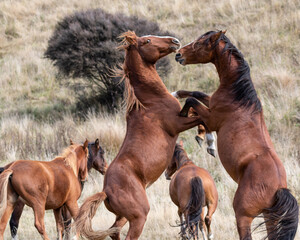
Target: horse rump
283, 217
194, 207
85, 215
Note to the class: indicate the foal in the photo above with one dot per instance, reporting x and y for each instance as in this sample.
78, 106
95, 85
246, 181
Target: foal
95, 160
44, 185
191, 188
234, 111
153, 125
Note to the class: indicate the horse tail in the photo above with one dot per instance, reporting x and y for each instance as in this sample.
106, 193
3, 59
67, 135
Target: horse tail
4, 179
283, 216
85, 215
194, 206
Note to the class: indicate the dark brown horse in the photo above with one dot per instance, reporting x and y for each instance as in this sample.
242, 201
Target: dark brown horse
95, 160
153, 125
191, 189
44, 185
244, 145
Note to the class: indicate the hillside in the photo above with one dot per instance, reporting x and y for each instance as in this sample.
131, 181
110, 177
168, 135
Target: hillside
37, 109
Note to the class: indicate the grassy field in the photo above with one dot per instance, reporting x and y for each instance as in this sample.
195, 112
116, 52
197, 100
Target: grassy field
35, 108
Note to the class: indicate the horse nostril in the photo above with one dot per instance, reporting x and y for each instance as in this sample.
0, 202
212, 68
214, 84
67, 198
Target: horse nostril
178, 55
176, 41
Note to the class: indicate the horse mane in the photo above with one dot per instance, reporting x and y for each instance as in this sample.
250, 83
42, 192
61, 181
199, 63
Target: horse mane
242, 89
181, 155
130, 100
70, 158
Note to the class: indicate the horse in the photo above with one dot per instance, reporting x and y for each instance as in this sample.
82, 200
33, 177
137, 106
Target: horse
245, 149
44, 185
96, 160
201, 131
153, 125
191, 189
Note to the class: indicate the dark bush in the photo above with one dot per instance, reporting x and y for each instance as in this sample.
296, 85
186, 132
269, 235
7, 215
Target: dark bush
84, 45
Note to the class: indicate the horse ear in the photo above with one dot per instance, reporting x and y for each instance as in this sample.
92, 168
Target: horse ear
224, 31
86, 143
97, 143
216, 36
71, 142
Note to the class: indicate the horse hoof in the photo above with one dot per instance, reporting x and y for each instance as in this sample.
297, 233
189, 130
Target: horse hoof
199, 140
211, 152
210, 236
174, 94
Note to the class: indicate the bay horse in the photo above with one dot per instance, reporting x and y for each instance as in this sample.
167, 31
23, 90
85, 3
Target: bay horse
96, 160
153, 125
245, 149
191, 189
44, 185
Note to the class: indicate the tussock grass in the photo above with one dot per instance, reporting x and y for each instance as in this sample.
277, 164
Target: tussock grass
35, 122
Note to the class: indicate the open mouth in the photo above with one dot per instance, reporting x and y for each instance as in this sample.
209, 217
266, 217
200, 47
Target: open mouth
179, 58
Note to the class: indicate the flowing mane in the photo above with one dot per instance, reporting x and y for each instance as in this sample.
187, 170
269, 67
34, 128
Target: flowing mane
242, 88
127, 40
70, 159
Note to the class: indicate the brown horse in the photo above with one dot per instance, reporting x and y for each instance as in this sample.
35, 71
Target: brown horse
153, 125
191, 188
244, 145
95, 160
44, 185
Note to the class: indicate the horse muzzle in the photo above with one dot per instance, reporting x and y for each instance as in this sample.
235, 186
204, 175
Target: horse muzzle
178, 58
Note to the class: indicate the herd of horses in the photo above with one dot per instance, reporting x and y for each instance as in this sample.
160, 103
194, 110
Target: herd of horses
154, 120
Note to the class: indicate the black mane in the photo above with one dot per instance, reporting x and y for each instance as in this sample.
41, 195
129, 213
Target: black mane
242, 89
180, 155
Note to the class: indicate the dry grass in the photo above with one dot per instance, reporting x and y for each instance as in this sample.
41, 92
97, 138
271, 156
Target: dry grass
266, 32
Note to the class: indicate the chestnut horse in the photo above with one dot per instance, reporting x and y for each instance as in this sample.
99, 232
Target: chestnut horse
244, 145
153, 125
95, 160
191, 188
44, 185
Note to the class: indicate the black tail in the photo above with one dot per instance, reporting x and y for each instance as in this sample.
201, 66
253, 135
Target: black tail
283, 216
194, 207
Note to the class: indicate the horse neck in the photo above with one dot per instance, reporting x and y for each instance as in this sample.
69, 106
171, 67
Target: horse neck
182, 160
143, 77
226, 64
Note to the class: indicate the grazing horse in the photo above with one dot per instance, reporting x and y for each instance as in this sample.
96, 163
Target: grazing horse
95, 160
245, 149
44, 185
153, 125
191, 188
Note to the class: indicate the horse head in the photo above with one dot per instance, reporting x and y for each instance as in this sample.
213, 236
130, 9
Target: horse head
82, 153
96, 157
151, 48
201, 50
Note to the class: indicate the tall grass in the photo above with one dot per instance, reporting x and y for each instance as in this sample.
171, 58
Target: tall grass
35, 122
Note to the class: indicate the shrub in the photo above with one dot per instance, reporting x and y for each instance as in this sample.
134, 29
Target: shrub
83, 45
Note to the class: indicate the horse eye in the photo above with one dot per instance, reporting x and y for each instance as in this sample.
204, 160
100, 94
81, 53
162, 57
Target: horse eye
148, 40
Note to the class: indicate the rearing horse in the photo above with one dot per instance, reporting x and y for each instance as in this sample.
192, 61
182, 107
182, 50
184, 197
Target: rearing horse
244, 145
153, 125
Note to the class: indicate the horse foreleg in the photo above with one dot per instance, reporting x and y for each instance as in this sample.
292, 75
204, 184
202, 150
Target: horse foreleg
119, 223
72, 206
15, 218
202, 97
67, 219
59, 223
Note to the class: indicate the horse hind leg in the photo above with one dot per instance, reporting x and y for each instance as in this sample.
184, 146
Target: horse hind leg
39, 214
119, 223
15, 218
